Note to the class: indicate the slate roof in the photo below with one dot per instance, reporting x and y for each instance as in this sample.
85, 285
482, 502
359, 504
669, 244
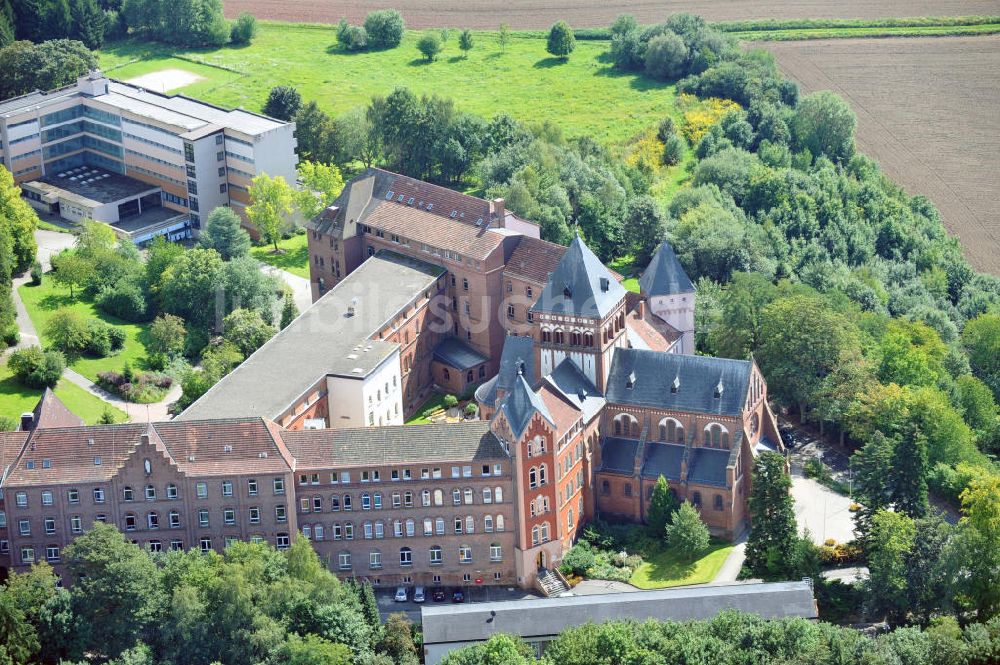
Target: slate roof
618, 455
593, 290
518, 352
665, 275
453, 352
707, 466
323, 340
663, 459
698, 375
438, 442
443, 624
534, 259
575, 387
520, 404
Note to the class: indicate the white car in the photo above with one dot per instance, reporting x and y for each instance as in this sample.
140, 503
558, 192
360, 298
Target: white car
418, 595
401, 594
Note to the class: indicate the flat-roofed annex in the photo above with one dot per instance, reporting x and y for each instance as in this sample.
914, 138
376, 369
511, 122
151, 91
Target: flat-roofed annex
329, 338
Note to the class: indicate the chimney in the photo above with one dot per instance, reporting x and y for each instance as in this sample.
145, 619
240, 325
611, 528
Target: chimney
640, 309
27, 421
498, 210
144, 439
93, 84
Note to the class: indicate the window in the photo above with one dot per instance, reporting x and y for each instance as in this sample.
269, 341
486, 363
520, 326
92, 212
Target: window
150, 493
408, 499
50, 525
344, 560
410, 528
425, 498
76, 524
206, 545
98, 495
627, 489
499, 522
367, 530
470, 524
488, 524
468, 495
569, 519
27, 555
203, 517
73, 496
171, 491
696, 499
279, 486
47, 498
366, 501
229, 516
378, 501
435, 555
347, 502
130, 522
174, 519
379, 530
532, 478
496, 553
128, 494
438, 497
405, 557
176, 545
201, 490
153, 520
717, 502
717, 436
317, 504
456, 496
227, 488
307, 531
252, 487
281, 541
545, 532
458, 525
375, 560
280, 513
348, 531
464, 554
52, 553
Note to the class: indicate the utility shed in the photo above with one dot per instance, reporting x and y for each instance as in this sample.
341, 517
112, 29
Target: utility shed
538, 622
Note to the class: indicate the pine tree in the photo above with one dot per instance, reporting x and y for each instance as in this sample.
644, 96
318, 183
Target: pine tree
872, 466
369, 607
661, 505
224, 233
288, 311
57, 19
772, 514
89, 23
909, 476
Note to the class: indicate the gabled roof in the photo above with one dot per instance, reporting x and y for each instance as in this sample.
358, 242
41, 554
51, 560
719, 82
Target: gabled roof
436, 442
521, 404
534, 259
518, 356
576, 388
645, 378
580, 285
665, 275
51, 412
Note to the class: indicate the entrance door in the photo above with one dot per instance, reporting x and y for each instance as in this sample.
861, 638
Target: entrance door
540, 560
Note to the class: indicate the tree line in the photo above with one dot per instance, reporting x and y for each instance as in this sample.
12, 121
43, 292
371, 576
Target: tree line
251, 604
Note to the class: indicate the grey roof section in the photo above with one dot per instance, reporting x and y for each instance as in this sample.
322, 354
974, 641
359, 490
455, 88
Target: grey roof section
97, 184
654, 374
324, 340
593, 290
400, 444
16, 105
618, 455
571, 383
665, 275
518, 353
550, 616
521, 404
707, 466
663, 459
453, 352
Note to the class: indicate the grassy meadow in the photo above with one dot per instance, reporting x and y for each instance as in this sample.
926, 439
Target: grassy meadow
15, 399
668, 568
583, 94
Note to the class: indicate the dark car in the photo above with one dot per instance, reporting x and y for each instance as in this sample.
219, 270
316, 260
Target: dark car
458, 596
438, 595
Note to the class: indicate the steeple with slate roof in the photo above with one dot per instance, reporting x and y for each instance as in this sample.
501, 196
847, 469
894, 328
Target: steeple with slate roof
665, 276
580, 286
521, 405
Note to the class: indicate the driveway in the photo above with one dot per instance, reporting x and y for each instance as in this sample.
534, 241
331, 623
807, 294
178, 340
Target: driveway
821, 510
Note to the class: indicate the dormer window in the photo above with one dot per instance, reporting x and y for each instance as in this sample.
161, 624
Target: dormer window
630, 381
718, 390
676, 385
605, 284
567, 292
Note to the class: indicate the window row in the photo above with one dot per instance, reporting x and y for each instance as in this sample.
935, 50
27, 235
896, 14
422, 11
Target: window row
205, 545
374, 500
403, 474
435, 557
131, 521
429, 526
149, 492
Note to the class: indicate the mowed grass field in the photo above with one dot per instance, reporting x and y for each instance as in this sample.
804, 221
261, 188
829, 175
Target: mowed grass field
16, 399
584, 94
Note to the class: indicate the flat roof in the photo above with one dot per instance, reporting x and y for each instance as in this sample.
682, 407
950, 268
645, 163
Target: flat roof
149, 217
550, 616
96, 184
324, 340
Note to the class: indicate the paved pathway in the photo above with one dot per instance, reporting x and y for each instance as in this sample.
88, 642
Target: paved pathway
301, 291
734, 562
137, 413
848, 575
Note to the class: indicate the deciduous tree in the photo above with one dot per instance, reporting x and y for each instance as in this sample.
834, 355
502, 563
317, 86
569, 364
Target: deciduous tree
271, 202
561, 41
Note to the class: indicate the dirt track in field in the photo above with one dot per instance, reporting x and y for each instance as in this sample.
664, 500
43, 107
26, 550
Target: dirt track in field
929, 112
537, 14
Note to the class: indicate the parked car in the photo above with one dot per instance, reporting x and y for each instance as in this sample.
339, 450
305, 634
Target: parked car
418, 595
438, 595
401, 594
458, 596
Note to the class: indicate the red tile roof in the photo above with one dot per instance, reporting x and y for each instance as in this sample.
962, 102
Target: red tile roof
564, 413
653, 330
444, 201
51, 412
420, 226
534, 259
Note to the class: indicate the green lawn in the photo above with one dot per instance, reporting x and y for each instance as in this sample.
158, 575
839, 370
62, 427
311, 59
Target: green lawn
43, 300
295, 258
666, 569
625, 266
434, 401
584, 95
15, 399
851, 32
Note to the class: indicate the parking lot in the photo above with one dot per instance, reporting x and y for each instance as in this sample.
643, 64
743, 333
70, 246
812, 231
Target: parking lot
473, 594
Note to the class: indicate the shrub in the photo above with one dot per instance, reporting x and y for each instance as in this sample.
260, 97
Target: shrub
465, 42
450, 401
67, 331
673, 150
36, 273
283, 102
117, 338
244, 29
580, 558
98, 338
561, 41
353, 38
471, 409
35, 368
167, 335
124, 300
628, 51
687, 533
430, 45
666, 56
385, 28
666, 128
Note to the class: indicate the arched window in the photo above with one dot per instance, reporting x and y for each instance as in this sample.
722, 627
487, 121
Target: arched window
535, 534
545, 532
754, 424
488, 524
458, 525
569, 519
487, 495
468, 495
717, 436
498, 495
150, 493
425, 498
605, 487
128, 494
171, 491
334, 503
671, 431
438, 497
318, 532
626, 425
542, 473
439, 526
410, 528
532, 477
405, 556
347, 502
499, 522
470, 524
456, 496
717, 502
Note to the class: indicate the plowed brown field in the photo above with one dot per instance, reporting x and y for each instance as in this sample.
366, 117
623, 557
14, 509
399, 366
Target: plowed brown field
928, 112
537, 14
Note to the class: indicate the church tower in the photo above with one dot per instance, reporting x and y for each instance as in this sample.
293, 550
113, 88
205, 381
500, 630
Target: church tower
670, 294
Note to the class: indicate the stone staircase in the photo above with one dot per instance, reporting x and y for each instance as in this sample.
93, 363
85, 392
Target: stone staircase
551, 584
